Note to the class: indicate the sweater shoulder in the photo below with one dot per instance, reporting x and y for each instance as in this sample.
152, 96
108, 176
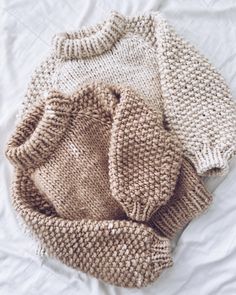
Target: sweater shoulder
151, 27
157, 31
41, 81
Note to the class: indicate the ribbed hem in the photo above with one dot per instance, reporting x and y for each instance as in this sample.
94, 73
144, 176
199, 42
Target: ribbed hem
137, 211
161, 253
212, 161
170, 222
190, 199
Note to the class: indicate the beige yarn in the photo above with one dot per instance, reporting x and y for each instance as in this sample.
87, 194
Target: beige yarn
144, 52
68, 148
62, 183
144, 159
189, 200
123, 253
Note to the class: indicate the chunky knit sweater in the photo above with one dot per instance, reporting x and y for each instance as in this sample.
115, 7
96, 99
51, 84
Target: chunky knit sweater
87, 167
145, 53
80, 135
120, 252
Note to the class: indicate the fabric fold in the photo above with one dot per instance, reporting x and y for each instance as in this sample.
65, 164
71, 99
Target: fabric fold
102, 184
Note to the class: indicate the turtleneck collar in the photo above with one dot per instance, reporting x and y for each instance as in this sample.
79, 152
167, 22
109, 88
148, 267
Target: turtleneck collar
90, 41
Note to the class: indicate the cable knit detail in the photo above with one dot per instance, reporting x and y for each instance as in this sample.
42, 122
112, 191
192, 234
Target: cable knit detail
145, 53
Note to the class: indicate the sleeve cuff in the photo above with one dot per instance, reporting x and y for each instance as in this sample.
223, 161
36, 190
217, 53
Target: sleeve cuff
212, 161
138, 212
189, 200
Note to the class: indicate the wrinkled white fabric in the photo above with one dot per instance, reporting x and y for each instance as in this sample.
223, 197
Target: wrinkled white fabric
205, 253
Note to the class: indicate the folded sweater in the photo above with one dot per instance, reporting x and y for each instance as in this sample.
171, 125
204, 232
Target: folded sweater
67, 152
145, 53
97, 151
87, 167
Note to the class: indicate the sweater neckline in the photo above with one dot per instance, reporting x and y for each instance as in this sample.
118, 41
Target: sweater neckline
90, 41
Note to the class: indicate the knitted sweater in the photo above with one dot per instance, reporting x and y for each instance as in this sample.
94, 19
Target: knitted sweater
120, 252
66, 152
145, 53
79, 147
63, 153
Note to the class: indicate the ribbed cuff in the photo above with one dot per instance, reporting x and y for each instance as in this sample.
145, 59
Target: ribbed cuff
137, 211
189, 200
212, 161
161, 254
173, 218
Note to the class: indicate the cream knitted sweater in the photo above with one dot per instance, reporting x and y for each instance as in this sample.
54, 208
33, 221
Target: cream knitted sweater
144, 52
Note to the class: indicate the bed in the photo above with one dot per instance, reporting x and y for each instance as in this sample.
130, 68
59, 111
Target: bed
205, 253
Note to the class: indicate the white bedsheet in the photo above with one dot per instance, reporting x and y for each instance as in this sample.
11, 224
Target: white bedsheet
205, 255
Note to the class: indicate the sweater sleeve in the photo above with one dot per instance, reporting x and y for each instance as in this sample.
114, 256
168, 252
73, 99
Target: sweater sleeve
121, 252
189, 200
144, 159
40, 84
197, 102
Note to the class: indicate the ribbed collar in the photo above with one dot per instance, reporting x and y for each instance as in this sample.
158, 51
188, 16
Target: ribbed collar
90, 41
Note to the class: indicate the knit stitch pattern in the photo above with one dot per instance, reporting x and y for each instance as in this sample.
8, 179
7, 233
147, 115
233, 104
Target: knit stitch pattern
88, 166
144, 158
62, 188
189, 200
145, 53
123, 253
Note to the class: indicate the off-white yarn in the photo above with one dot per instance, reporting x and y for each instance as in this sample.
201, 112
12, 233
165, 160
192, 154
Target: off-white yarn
145, 53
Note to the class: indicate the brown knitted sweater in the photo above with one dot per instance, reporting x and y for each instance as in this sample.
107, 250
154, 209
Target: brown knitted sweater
86, 165
189, 200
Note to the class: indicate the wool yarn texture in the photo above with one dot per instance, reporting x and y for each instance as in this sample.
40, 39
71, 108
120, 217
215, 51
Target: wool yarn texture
145, 53
88, 167
189, 200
